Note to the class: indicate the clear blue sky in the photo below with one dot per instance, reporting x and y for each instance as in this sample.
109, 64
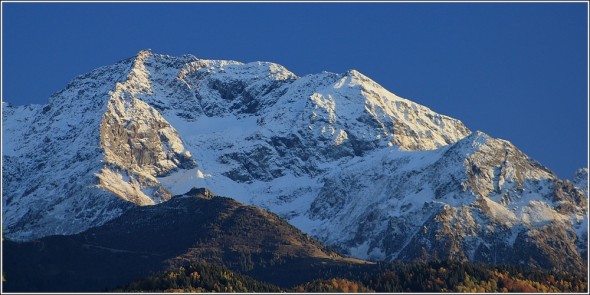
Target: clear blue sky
517, 71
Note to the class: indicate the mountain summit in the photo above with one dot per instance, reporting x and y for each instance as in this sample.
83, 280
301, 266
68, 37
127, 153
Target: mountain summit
373, 174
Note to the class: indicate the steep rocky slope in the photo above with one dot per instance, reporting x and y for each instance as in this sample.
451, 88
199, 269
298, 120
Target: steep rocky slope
375, 175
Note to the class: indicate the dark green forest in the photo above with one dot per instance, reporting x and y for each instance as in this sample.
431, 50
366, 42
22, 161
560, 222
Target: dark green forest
385, 277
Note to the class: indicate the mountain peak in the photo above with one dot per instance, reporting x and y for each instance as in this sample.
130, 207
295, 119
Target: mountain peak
336, 154
140, 58
353, 72
358, 78
144, 52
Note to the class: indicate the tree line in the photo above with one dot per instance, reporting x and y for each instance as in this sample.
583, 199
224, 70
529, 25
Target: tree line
445, 276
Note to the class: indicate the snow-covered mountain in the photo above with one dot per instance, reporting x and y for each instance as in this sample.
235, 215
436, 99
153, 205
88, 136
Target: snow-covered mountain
337, 155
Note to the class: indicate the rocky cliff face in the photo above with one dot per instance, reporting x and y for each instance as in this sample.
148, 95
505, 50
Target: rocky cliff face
87, 156
138, 143
378, 176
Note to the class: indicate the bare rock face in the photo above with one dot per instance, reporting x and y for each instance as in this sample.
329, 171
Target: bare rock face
139, 144
90, 154
149, 145
50, 156
375, 175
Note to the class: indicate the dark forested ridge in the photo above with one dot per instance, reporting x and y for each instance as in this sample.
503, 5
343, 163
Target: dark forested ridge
196, 278
444, 276
192, 228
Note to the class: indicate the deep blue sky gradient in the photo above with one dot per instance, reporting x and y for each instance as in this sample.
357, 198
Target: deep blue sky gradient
517, 71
